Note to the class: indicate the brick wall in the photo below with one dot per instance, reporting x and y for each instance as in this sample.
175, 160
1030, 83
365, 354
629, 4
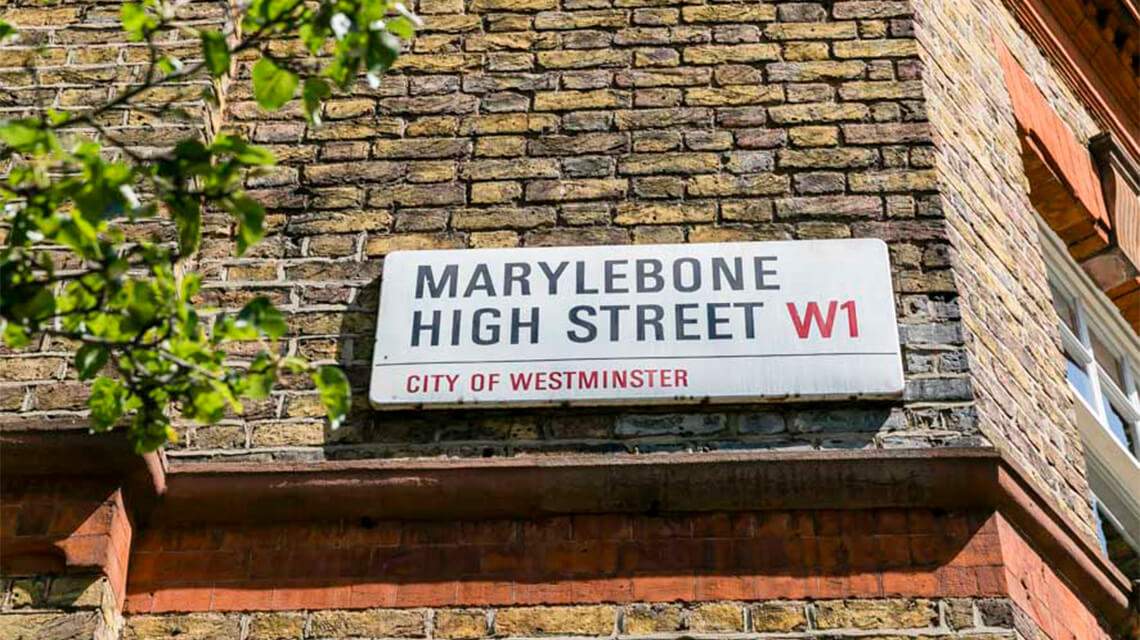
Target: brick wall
564, 122
978, 619
539, 123
64, 607
564, 560
1018, 372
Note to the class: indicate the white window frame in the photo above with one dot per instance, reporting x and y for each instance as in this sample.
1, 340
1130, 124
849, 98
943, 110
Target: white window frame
1113, 470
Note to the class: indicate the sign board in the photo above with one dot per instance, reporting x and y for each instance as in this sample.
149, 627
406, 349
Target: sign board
733, 322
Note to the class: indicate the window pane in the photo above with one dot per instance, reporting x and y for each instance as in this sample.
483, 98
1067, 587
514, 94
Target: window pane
1080, 380
1107, 361
1064, 308
1120, 429
1116, 546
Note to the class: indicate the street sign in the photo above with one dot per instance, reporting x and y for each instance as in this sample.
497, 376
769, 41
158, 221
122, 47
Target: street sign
730, 322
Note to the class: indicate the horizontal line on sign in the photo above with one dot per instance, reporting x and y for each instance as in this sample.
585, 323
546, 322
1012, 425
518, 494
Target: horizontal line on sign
764, 355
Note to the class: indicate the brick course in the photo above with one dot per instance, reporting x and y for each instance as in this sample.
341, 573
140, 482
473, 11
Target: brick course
565, 124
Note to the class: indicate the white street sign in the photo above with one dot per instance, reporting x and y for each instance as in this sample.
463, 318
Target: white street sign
745, 321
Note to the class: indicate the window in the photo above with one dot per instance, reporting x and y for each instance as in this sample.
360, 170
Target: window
1098, 371
1102, 361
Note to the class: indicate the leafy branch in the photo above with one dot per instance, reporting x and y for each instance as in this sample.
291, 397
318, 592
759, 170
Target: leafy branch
130, 309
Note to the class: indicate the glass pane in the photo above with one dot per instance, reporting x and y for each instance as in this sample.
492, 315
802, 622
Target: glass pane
1107, 360
1115, 545
1119, 428
1064, 308
1080, 380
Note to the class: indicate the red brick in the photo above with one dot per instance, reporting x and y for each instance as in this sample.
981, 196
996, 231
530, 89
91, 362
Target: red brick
991, 580
910, 584
138, 603
485, 592
957, 582
491, 532
311, 597
615, 589
169, 599
659, 588
244, 598
726, 587
646, 527
380, 534
602, 527
536, 591
372, 594
891, 521
546, 530
426, 594
778, 587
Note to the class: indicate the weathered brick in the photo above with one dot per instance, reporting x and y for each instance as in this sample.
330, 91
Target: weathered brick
778, 617
490, 192
901, 180
482, 6
718, 54
835, 158
854, 206
457, 624
815, 70
811, 30
528, 621
586, 143
817, 112
575, 189
717, 617
388, 623
191, 626
574, 100
729, 13
503, 218
685, 163
892, 133
734, 95
640, 619
635, 213
581, 59
276, 626
875, 614
729, 185
507, 169
875, 48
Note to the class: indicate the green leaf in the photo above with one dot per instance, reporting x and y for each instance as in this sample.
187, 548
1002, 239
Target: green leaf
31, 301
25, 136
169, 65
15, 335
335, 393
251, 221
107, 403
188, 218
383, 50
6, 31
216, 52
402, 27
90, 359
261, 376
262, 315
272, 85
206, 403
242, 151
314, 92
136, 21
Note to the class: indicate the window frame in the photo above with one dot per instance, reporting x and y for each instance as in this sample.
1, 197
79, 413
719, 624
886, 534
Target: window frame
1111, 466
